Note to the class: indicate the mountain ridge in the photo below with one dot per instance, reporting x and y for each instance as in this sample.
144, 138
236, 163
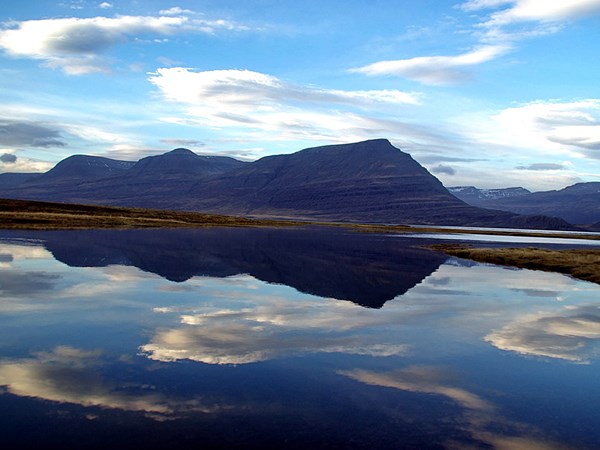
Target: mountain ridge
578, 203
370, 181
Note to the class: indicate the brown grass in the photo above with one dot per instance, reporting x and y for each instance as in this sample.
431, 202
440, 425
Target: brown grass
581, 264
32, 215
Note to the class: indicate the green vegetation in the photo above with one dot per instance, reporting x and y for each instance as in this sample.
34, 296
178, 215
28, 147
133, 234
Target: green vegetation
581, 264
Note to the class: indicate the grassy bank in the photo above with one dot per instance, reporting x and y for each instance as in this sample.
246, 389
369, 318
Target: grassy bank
32, 215
581, 264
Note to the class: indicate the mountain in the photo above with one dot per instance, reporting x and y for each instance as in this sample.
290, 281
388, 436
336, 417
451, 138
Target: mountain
369, 181
10, 180
152, 181
181, 162
579, 204
479, 197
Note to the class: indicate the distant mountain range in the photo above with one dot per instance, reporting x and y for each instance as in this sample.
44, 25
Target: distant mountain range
478, 197
370, 181
578, 204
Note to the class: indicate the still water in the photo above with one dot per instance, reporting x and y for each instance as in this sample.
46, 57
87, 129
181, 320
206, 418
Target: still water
256, 338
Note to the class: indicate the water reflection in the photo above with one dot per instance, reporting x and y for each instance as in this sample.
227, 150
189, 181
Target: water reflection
366, 269
267, 327
572, 333
463, 355
480, 417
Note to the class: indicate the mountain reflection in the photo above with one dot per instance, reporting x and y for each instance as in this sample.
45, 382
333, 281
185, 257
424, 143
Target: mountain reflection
366, 269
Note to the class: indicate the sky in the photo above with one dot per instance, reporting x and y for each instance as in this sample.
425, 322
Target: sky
490, 93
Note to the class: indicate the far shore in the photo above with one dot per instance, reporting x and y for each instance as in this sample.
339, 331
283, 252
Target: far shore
583, 264
36, 215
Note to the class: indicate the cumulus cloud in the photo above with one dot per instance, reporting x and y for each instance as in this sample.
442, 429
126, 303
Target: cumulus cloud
278, 110
8, 158
76, 45
105, 5
174, 11
254, 89
435, 70
15, 133
441, 168
572, 334
554, 126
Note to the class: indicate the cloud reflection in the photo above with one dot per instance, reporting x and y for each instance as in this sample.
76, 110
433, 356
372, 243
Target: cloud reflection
270, 329
480, 416
572, 333
70, 375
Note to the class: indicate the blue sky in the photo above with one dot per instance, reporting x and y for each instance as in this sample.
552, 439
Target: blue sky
491, 93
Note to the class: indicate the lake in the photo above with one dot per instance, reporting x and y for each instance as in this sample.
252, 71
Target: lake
287, 338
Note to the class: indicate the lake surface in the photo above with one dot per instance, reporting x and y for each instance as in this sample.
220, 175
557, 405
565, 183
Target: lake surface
257, 338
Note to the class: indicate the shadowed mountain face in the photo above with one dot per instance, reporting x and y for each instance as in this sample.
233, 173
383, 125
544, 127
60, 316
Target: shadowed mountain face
579, 204
9, 180
370, 181
365, 269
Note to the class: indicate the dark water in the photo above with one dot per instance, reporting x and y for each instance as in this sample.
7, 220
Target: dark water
244, 338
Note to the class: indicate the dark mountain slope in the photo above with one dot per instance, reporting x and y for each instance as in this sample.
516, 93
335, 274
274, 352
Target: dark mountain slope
9, 180
82, 168
370, 181
181, 162
579, 204
152, 181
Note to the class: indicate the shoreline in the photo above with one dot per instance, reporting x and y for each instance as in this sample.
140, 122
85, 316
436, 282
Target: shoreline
35, 215
582, 264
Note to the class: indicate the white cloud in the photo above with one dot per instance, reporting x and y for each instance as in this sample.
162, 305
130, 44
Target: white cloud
24, 164
175, 11
496, 35
435, 70
553, 126
540, 10
105, 5
76, 44
263, 104
251, 89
